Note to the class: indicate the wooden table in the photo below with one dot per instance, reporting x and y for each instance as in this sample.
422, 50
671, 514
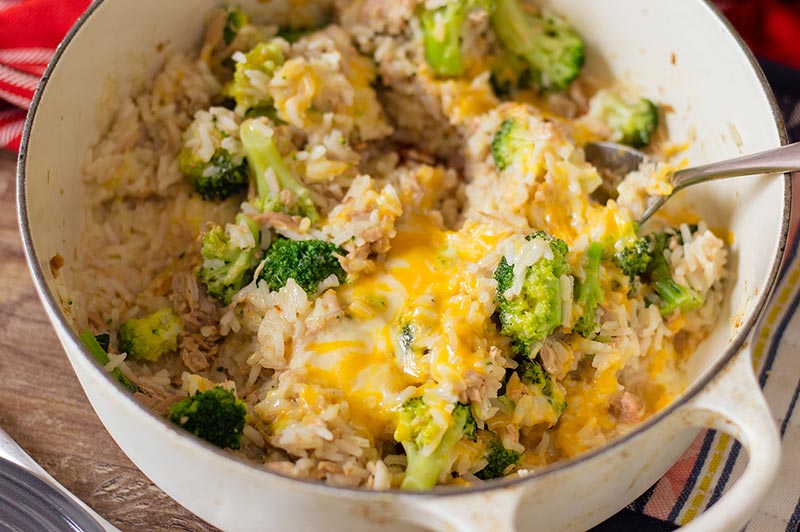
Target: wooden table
43, 407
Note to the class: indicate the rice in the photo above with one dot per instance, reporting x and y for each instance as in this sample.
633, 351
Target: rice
400, 168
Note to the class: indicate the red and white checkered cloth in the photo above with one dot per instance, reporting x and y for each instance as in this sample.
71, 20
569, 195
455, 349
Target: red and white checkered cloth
30, 30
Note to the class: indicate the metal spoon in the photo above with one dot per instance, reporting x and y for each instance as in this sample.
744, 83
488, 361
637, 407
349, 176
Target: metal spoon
615, 161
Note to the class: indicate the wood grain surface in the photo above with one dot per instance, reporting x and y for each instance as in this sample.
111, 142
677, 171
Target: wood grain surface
43, 407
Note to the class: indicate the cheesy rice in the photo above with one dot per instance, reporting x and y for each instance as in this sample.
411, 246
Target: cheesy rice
398, 166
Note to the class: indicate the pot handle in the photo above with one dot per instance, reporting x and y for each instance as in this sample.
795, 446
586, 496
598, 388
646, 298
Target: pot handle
486, 511
733, 403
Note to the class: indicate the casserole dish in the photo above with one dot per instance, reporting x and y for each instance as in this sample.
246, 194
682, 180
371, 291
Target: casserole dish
628, 41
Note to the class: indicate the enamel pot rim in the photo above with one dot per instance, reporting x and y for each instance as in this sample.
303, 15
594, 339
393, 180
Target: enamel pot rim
53, 306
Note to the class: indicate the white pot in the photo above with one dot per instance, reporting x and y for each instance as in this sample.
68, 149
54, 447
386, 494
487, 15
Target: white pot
680, 52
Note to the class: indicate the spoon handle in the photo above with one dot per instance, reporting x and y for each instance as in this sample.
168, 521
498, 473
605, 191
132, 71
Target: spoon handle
782, 159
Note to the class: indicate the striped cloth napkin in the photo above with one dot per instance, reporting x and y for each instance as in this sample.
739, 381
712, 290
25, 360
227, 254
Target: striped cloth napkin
30, 30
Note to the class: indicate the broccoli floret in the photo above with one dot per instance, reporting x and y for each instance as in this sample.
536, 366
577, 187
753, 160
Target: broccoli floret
509, 143
407, 336
308, 262
532, 374
536, 311
226, 267
292, 35
501, 461
509, 72
235, 20
413, 347
558, 246
631, 122
504, 275
644, 258
553, 51
151, 337
269, 112
506, 403
415, 431
634, 258
219, 178
98, 348
103, 340
262, 155
679, 234
220, 174
214, 415
260, 62
589, 292
671, 295
442, 30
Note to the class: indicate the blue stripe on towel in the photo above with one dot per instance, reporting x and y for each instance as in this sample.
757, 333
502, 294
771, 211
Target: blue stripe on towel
763, 377
776, 338
689, 486
725, 476
790, 410
795, 519
639, 504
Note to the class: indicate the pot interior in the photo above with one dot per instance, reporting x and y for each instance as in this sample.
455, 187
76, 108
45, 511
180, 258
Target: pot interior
678, 52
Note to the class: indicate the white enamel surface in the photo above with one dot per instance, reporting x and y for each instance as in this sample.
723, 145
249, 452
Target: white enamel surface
734, 404
711, 88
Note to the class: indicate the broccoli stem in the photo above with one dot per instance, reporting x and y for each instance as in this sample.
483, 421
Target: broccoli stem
509, 22
550, 47
262, 154
673, 296
99, 354
442, 44
676, 297
94, 347
589, 292
235, 20
422, 472
444, 55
